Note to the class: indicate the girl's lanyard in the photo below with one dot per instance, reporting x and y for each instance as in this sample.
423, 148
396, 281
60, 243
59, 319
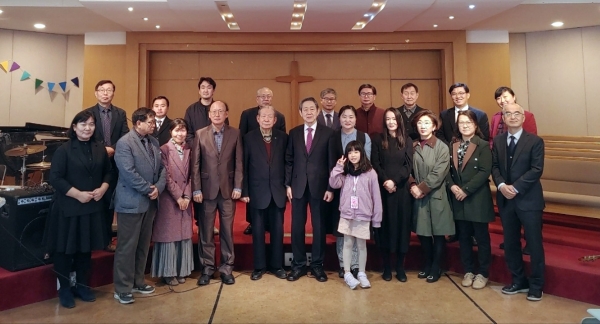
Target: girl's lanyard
354, 198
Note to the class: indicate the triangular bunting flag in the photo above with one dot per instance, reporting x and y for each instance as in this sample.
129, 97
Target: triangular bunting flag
63, 85
14, 66
25, 76
38, 83
75, 81
4, 66
51, 86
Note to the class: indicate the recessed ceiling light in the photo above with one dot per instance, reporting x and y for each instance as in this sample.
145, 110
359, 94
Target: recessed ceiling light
471, 6
233, 24
557, 24
39, 26
435, 26
130, 8
157, 26
299, 5
145, 18
297, 15
407, 40
1, 11
366, 15
295, 24
451, 17
376, 4
229, 15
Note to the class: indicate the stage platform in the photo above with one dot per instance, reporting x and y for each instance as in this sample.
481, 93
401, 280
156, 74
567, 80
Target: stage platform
566, 238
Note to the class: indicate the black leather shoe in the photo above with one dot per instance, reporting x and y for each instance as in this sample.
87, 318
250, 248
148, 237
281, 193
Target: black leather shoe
204, 280
526, 250
65, 297
424, 273
354, 273
535, 295
279, 273
515, 289
257, 274
501, 246
451, 238
434, 276
228, 279
341, 273
319, 274
386, 275
296, 274
84, 293
248, 230
401, 275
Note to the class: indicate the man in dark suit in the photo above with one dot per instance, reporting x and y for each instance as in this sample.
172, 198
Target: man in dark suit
248, 122
264, 190
328, 116
160, 105
410, 94
517, 166
460, 96
141, 179
307, 182
217, 167
111, 125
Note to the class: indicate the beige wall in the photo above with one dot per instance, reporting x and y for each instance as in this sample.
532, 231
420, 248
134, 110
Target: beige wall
563, 74
104, 62
48, 57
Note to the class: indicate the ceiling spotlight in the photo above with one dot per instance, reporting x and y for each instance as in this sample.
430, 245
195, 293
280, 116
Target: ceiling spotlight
407, 40
435, 26
39, 26
451, 17
157, 26
130, 8
233, 24
297, 15
295, 24
1, 11
366, 15
557, 24
299, 5
145, 19
229, 15
376, 4
471, 6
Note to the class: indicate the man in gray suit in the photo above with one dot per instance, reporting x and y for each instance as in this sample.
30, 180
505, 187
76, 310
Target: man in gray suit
141, 180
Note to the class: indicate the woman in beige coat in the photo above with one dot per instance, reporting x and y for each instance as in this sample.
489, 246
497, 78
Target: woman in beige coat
432, 216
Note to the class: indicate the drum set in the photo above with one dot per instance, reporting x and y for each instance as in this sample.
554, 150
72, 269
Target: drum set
24, 151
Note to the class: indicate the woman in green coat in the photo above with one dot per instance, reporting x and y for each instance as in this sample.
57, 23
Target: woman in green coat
432, 216
468, 181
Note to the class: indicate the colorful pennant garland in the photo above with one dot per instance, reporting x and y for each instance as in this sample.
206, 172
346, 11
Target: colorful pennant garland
14, 66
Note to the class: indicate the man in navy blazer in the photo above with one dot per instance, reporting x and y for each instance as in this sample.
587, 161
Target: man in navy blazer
264, 190
517, 166
111, 125
307, 182
328, 116
460, 96
141, 179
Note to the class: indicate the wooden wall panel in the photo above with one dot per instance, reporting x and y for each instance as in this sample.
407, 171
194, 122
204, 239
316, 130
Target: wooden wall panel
181, 93
489, 68
345, 65
244, 65
102, 62
429, 94
173, 66
416, 65
518, 69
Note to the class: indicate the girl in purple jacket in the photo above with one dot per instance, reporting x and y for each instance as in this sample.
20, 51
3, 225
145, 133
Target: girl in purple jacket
360, 204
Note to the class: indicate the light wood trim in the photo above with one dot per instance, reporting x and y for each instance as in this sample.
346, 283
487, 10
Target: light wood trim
572, 158
570, 139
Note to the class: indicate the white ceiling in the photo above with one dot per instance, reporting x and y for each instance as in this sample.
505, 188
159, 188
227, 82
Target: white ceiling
76, 17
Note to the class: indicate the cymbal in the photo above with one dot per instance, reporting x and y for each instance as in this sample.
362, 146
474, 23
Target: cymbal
39, 165
25, 150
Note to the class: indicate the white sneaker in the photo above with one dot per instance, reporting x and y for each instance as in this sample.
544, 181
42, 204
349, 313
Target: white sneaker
468, 279
480, 282
350, 280
364, 282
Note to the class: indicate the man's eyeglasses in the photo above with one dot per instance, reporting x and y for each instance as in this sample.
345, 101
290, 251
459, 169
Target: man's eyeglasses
329, 99
366, 94
105, 90
456, 94
515, 114
265, 97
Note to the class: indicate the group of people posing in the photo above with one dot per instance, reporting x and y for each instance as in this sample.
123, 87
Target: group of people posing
364, 173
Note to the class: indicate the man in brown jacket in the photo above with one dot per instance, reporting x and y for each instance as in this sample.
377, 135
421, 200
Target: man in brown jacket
217, 165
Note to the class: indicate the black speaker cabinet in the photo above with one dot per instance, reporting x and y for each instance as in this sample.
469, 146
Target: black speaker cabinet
22, 222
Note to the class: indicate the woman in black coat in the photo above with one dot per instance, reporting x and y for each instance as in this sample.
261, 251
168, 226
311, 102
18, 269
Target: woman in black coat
391, 157
80, 174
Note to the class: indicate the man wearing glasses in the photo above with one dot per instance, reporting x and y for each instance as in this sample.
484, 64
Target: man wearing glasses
460, 96
111, 125
369, 118
328, 116
248, 122
217, 159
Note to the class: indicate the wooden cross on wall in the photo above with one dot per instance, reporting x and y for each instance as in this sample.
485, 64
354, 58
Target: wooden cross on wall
294, 79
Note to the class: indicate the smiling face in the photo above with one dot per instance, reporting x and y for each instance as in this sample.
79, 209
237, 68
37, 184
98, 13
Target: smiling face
348, 119
466, 126
179, 133
206, 91
218, 113
460, 97
85, 129
309, 112
505, 98
513, 116
354, 157
425, 127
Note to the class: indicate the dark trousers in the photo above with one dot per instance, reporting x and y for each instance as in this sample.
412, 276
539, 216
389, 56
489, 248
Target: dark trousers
135, 232
206, 246
81, 263
433, 252
198, 213
108, 213
484, 249
299, 209
512, 219
272, 215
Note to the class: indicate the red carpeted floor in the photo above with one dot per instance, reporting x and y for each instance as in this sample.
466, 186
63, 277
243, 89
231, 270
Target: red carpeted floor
566, 238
